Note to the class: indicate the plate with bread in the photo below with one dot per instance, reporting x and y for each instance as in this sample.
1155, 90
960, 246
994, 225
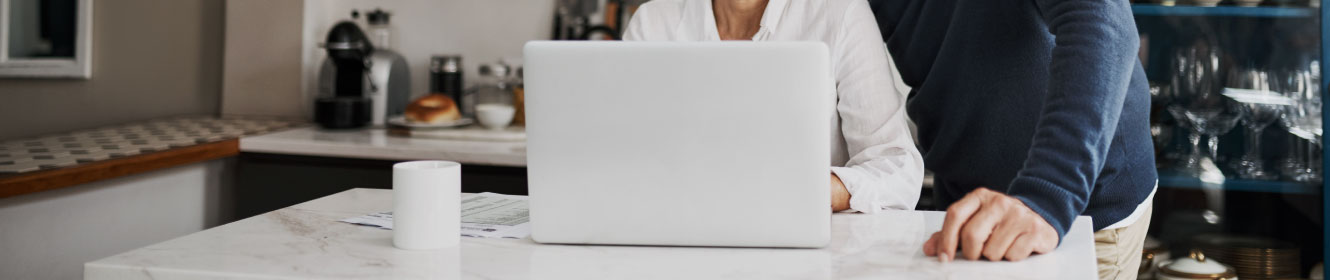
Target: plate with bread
431, 111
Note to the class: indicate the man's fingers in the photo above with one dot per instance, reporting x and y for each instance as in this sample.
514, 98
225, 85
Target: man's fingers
1003, 236
957, 215
1020, 248
1045, 241
930, 246
975, 233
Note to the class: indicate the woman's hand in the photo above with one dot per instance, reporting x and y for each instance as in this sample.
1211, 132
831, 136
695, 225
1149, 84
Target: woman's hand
840, 197
994, 225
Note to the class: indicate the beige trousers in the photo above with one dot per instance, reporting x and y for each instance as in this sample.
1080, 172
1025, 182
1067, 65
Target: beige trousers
1119, 250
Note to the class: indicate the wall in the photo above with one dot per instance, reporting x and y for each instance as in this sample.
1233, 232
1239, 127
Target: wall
49, 235
150, 59
262, 58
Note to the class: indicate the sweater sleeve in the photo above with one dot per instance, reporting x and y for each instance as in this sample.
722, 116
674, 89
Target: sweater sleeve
1090, 69
885, 170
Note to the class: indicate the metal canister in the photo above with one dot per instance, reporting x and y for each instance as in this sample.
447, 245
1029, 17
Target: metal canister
445, 77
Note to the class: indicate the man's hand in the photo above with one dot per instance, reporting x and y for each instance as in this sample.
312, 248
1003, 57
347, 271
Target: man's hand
992, 225
840, 197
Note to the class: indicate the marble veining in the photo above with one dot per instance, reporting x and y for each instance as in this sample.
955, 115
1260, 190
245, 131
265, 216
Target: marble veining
305, 241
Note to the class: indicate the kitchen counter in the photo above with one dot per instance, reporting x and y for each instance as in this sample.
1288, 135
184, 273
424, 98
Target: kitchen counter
78, 157
306, 241
379, 144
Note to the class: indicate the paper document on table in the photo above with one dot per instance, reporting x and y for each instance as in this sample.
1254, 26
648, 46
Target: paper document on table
487, 215
495, 215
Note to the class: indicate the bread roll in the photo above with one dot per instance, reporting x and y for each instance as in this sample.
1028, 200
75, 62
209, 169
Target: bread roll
433, 109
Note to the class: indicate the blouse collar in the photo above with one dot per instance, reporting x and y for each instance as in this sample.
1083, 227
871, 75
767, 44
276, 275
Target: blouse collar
700, 15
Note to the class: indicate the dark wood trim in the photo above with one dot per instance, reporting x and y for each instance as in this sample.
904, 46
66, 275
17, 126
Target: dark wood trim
25, 183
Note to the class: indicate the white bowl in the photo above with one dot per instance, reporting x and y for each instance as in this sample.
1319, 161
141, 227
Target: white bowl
495, 116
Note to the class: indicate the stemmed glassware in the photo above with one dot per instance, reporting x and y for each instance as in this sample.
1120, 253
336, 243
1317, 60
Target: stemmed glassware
1185, 79
1200, 102
1260, 107
1303, 117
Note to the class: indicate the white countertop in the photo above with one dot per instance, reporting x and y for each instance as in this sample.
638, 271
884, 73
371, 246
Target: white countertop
377, 144
305, 241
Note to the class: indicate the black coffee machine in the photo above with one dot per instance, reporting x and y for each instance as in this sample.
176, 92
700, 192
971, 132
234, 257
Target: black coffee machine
346, 106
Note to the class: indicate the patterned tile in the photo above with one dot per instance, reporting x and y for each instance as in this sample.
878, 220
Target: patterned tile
72, 148
9, 167
118, 151
54, 162
89, 155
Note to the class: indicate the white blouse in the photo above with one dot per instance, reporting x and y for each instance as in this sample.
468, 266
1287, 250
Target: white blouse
871, 149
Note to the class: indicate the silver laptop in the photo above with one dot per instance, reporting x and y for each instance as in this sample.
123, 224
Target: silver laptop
679, 143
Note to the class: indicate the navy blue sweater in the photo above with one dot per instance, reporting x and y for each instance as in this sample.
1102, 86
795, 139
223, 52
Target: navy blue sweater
1043, 100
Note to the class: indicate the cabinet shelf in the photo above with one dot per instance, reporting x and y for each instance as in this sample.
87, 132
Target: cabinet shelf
1174, 180
1230, 11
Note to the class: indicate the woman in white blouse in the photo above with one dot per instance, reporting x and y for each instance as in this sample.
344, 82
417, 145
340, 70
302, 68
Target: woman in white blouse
875, 163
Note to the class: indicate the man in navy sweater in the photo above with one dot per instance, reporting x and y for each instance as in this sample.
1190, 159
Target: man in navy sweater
1030, 113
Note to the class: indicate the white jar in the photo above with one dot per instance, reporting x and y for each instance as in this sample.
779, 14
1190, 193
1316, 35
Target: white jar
493, 96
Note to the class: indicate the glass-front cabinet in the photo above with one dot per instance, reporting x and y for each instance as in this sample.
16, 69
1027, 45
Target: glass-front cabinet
1237, 98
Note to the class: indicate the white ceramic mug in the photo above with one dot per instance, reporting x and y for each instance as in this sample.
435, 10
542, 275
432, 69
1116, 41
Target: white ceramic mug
427, 204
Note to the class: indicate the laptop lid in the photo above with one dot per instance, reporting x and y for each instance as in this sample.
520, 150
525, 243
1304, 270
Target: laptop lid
679, 143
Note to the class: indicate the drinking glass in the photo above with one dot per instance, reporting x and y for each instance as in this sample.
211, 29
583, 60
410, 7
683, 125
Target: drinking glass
1200, 101
1303, 117
1182, 83
1260, 106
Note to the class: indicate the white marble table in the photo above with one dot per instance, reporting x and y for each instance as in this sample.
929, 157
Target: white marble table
377, 144
305, 241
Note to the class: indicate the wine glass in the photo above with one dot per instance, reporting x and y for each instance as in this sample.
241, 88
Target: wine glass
1183, 82
1250, 87
1199, 100
1303, 118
